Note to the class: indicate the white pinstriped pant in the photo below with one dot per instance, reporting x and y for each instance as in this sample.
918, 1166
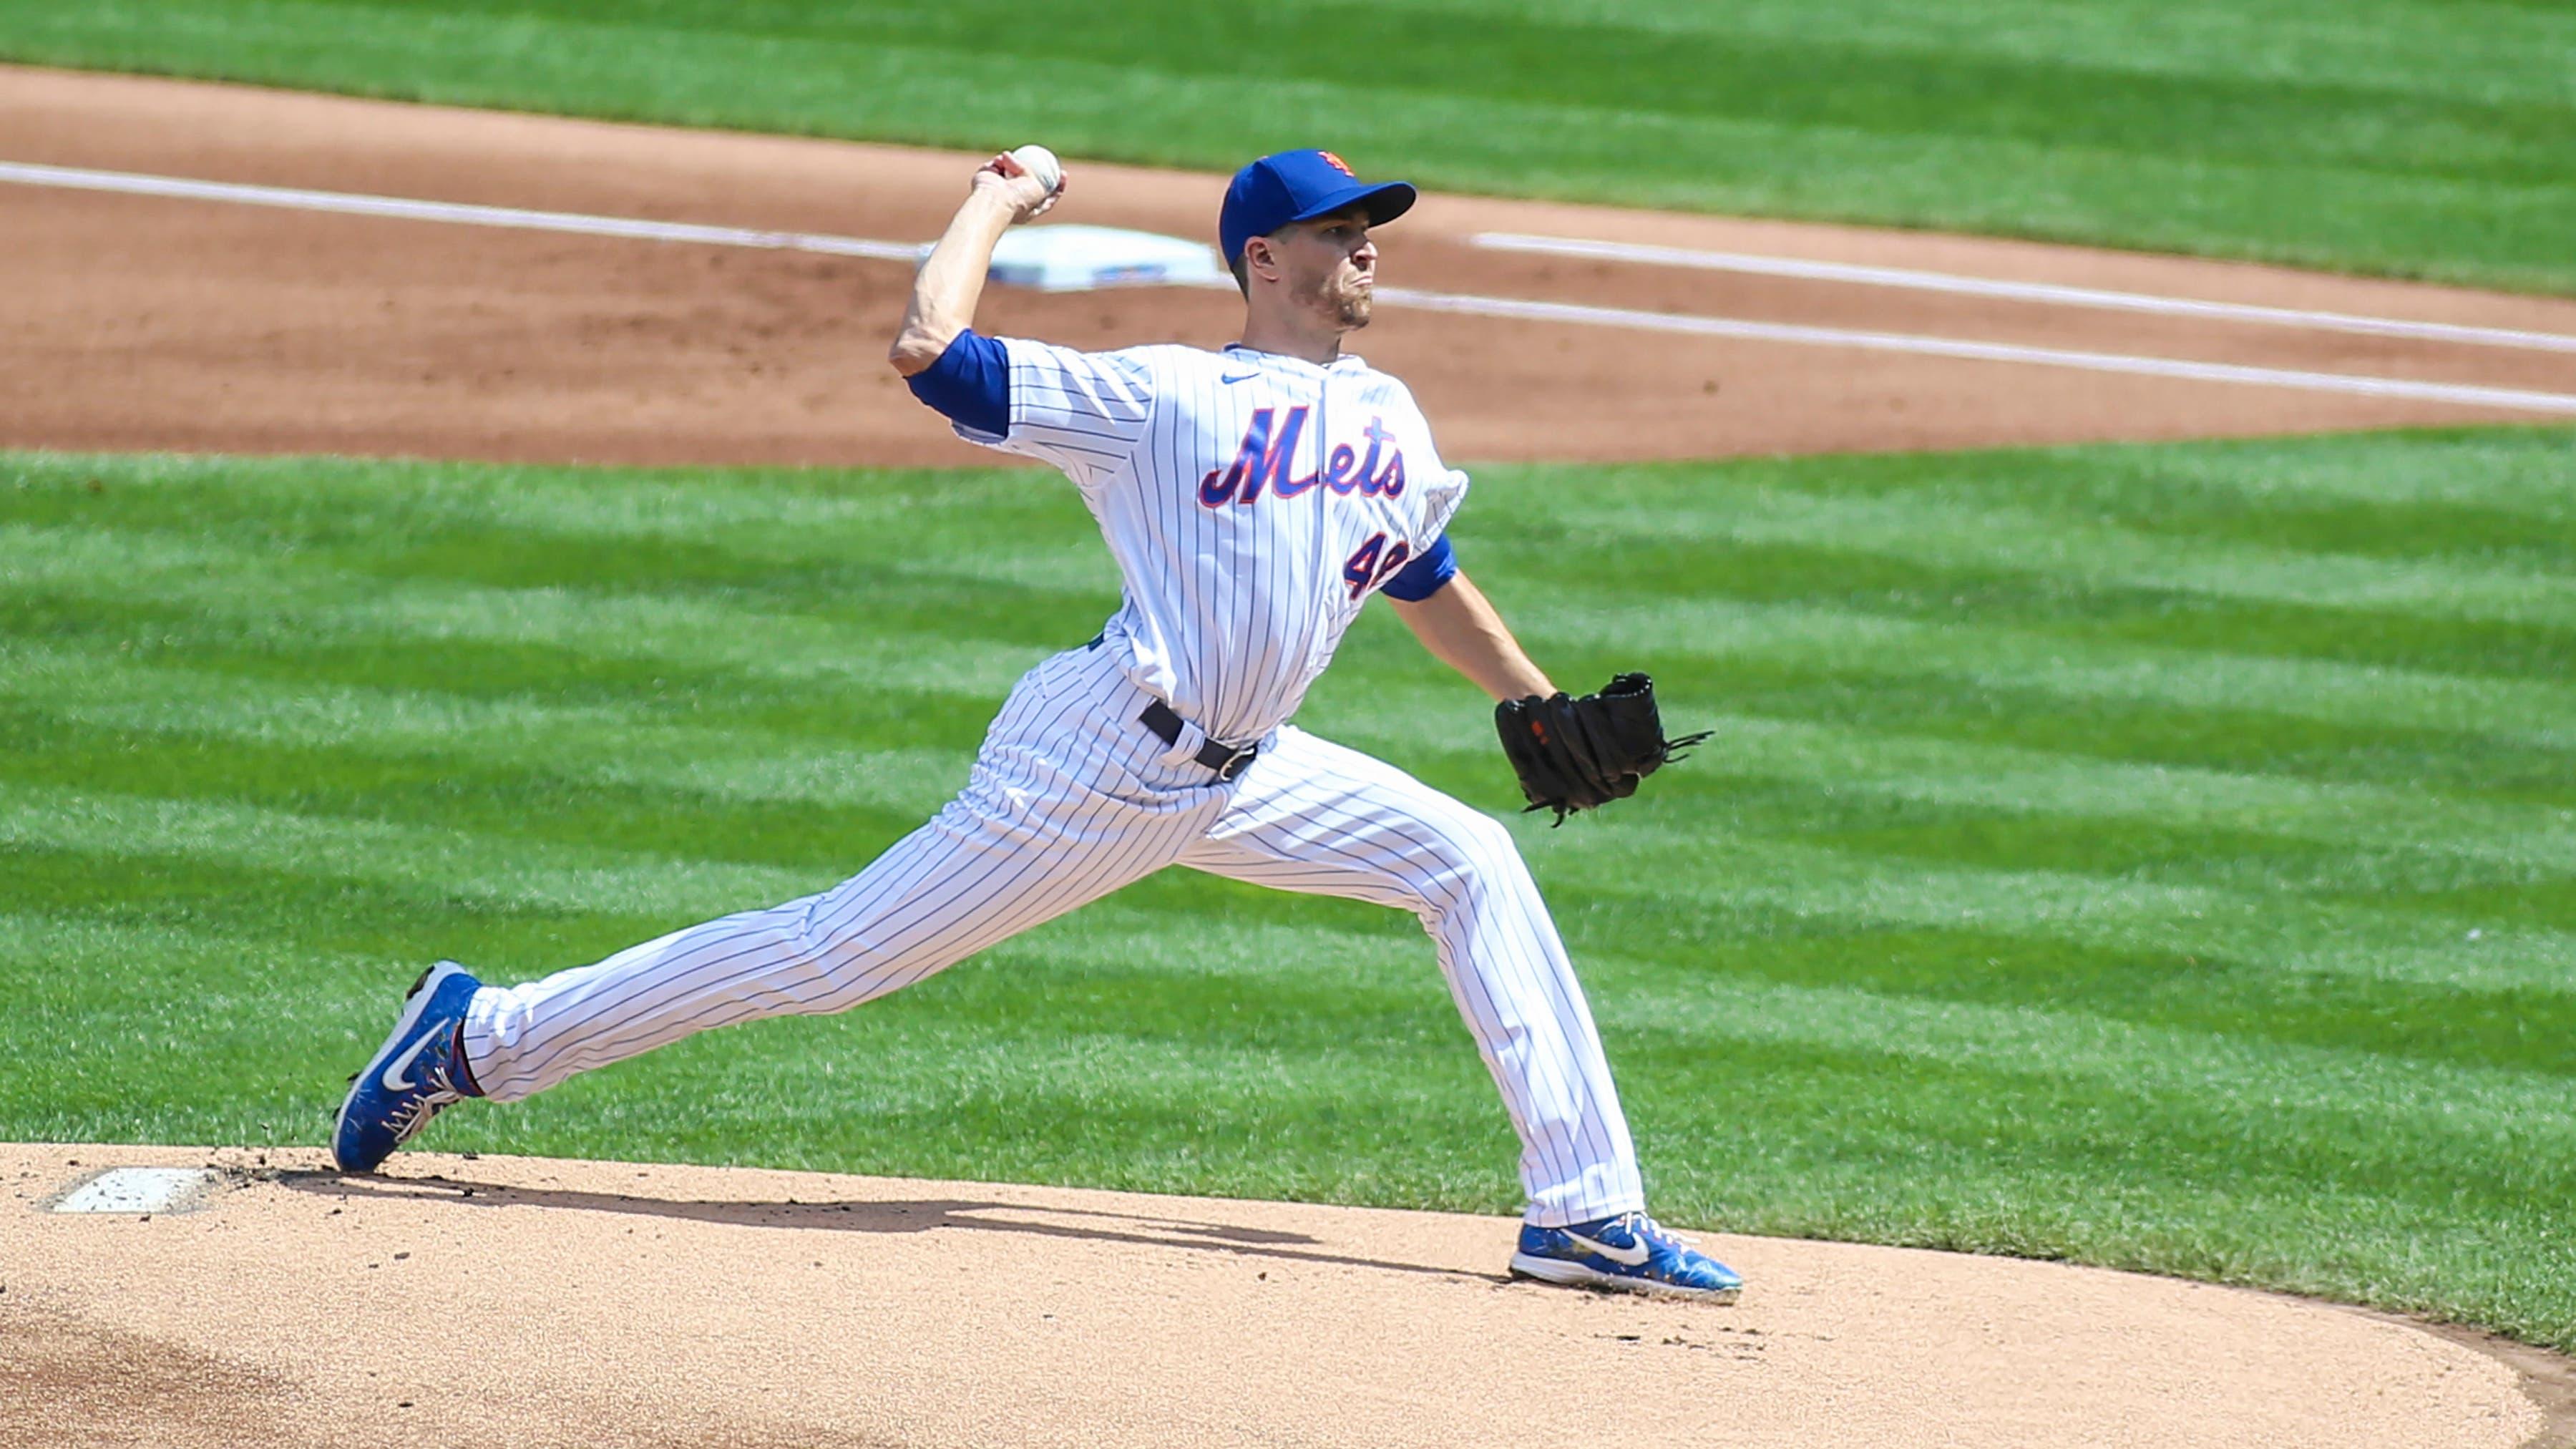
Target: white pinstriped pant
1071, 799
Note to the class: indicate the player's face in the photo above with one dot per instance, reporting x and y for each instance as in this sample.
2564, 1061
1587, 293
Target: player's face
1330, 266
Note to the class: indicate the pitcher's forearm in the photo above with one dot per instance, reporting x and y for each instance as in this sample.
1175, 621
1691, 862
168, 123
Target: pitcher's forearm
951, 281
1462, 629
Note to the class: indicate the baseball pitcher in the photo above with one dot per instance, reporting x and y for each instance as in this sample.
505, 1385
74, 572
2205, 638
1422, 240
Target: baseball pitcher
1254, 498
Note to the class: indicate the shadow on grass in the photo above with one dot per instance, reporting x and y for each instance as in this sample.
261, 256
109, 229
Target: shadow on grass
910, 1216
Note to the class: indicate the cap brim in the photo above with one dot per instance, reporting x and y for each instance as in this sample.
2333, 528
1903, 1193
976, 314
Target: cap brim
1385, 201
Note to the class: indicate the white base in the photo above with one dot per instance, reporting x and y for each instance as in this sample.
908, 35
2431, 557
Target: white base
139, 1190
1075, 258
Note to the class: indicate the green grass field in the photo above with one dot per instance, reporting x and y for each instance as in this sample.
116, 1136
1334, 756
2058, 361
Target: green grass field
2159, 856
2414, 137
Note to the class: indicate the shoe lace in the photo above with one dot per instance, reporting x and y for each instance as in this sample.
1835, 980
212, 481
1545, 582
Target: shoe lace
416, 1109
437, 1091
1646, 1230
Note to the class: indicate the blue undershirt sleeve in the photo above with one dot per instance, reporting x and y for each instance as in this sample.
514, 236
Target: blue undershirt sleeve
1426, 575
970, 385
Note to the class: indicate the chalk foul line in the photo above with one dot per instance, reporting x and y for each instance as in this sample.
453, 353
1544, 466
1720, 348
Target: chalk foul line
2516, 399
1952, 282
515, 218
401, 208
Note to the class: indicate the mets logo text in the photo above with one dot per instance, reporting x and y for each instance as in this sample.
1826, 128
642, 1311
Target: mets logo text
1268, 453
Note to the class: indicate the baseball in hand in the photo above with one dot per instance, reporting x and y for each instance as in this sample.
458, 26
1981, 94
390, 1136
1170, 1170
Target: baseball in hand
1040, 162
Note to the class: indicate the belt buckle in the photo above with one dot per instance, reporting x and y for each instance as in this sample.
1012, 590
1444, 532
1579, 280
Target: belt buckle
1235, 762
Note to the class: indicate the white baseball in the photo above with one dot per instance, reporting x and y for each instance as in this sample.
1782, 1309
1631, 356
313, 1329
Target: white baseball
1040, 162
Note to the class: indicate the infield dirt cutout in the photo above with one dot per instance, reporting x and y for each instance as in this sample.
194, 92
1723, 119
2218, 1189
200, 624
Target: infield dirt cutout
517, 1302
526, 1302
143, 322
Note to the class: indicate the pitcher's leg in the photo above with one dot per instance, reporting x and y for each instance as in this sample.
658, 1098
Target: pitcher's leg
1313, 816
994, 863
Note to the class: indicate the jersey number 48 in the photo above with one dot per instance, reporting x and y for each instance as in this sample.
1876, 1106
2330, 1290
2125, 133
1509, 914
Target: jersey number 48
1367, 569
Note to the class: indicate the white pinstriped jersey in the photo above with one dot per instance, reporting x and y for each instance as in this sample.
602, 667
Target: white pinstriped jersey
1253, 503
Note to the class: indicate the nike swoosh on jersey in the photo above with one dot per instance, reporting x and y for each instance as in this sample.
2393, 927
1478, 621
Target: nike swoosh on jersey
394, 1078
1633, 1256
1247, 377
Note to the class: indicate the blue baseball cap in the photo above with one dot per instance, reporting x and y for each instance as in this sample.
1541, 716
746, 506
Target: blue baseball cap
1295, 186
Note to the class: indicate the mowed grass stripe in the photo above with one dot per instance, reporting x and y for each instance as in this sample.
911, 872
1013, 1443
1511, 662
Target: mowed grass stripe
2362, 1114
2459, 494
2023, 958
2506, 1131
507, 871
905, 602
2455, 496
65, 582
2413, 621
470, 671
454, 766
1913, 534
2134, 1173
2434, 495
703, 550
1027, 1096
1886, 772
2364, 45
1880, 960
839, 642
2051, 879
2126, 709
2073, 601
774, 540
2132, 134
778, 513
648, 746
1933, 534
2019, 914
1957, 914
863, 604
1877, 771
454, 787
1777, 866
848, 802
2122, 1179
2024, 965
2097, 712
2027, 690
184, 683
316, 910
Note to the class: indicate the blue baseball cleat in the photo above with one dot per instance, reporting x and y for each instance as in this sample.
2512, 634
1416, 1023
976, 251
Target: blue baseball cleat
418, 1072
1630, 1253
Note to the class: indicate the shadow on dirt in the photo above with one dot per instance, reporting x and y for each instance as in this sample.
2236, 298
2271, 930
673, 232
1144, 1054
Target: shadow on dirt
862, 1216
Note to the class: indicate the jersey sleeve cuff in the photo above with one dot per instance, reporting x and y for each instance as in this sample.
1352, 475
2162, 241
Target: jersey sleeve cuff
1428, 574
970, 385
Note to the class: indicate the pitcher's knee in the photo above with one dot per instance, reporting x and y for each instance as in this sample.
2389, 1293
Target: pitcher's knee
1477, 856
830, 964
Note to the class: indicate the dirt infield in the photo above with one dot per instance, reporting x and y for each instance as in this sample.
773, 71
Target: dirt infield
140, 322
528, 1302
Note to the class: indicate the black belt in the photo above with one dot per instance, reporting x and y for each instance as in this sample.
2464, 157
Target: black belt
1226, 760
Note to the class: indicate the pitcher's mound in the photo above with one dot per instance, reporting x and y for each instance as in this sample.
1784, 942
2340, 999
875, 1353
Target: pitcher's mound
516, 1301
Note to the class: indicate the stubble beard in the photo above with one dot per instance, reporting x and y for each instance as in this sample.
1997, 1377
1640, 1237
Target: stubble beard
1348, 303
1334, 298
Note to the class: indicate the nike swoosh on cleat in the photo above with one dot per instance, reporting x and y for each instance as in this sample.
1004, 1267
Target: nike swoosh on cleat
1632, 1257
395, 1080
